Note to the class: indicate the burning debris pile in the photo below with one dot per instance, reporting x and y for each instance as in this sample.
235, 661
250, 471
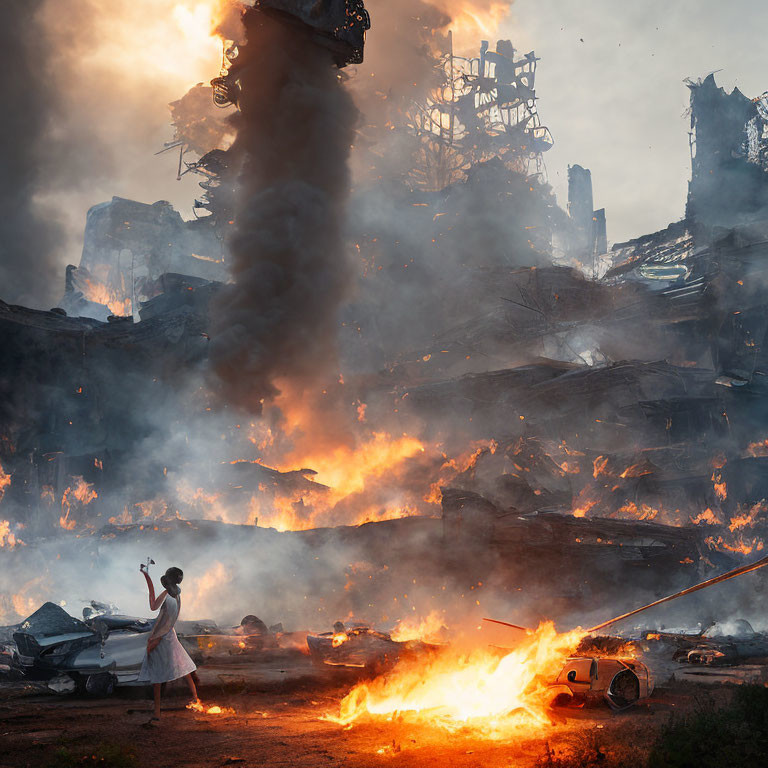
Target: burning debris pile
381, 315
635, 396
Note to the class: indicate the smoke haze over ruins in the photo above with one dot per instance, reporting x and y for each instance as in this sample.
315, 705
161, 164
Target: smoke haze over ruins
648, 45
426, 337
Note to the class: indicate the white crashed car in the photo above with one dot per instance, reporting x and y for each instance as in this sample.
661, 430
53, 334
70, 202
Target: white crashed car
621, 682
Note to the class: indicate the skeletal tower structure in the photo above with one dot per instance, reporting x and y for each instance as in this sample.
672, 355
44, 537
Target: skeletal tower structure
484, 107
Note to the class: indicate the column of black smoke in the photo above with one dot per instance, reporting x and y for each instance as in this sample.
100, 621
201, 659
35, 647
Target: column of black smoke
295, 128
28, 235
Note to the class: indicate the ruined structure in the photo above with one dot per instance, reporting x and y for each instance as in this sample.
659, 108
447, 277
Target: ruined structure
482, 108
590, 238
635, 397
128, 246
728, 182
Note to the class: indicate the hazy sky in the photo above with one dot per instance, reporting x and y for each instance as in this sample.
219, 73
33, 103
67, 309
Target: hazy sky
615, 101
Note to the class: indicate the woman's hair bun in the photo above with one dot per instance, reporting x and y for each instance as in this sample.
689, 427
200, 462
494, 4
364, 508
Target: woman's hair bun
175, 575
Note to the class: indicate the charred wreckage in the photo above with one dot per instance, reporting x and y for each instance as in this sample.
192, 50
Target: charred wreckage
623, 405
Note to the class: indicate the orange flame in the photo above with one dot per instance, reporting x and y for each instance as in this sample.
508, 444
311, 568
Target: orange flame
740, 547
7, 536
599, 466
757, 449
354, 467
81, 493
473, 20
584, 502
480, 690
100, 293
721, 489
339, 639
639, 512
749, 518
636, 470
23, 603
5, 481
708, 517
215, 709
419, 629
346, 470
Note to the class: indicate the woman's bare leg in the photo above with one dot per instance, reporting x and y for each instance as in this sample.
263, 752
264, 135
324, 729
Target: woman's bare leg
157, 689
191, 684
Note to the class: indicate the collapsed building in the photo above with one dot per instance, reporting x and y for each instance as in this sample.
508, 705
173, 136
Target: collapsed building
624, 411
671, 398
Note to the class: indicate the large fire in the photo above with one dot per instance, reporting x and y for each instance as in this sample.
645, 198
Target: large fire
348, 474
143, 41
357, 471
78, 495
414, 628
472, 20
486, 690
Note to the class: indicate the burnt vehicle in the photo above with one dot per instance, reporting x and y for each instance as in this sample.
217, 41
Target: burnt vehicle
362, 647
106, 649
620, 682
252, 635
719, 645
98, 654
606, 672
338, 25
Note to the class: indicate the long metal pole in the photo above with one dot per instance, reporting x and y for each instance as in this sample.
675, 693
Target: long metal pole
704, 584
507, 624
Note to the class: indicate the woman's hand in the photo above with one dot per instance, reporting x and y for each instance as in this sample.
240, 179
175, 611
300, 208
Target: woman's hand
152, 643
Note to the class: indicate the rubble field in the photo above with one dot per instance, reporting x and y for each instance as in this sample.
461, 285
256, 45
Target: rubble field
383, 383
277, 721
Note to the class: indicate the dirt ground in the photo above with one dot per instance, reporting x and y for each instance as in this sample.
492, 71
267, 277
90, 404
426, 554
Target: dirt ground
279, 706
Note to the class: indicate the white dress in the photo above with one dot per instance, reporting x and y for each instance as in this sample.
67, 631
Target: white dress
169, 661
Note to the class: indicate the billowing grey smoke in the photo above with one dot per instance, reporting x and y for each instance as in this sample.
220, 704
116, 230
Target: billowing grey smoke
279, 317
28, 234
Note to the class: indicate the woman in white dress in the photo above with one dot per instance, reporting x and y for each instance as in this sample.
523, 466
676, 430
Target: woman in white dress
166, 659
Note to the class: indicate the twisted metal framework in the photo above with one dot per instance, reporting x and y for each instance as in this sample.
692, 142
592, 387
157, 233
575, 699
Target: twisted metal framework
485, 107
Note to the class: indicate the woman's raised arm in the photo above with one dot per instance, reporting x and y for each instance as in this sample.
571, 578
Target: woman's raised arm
154, 602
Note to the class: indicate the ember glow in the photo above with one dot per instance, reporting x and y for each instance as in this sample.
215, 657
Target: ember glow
7, 537
494, 694
214, 709
361, 473
5, 482
115, 300
19, 604
339, 639
412, 628
77, 496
